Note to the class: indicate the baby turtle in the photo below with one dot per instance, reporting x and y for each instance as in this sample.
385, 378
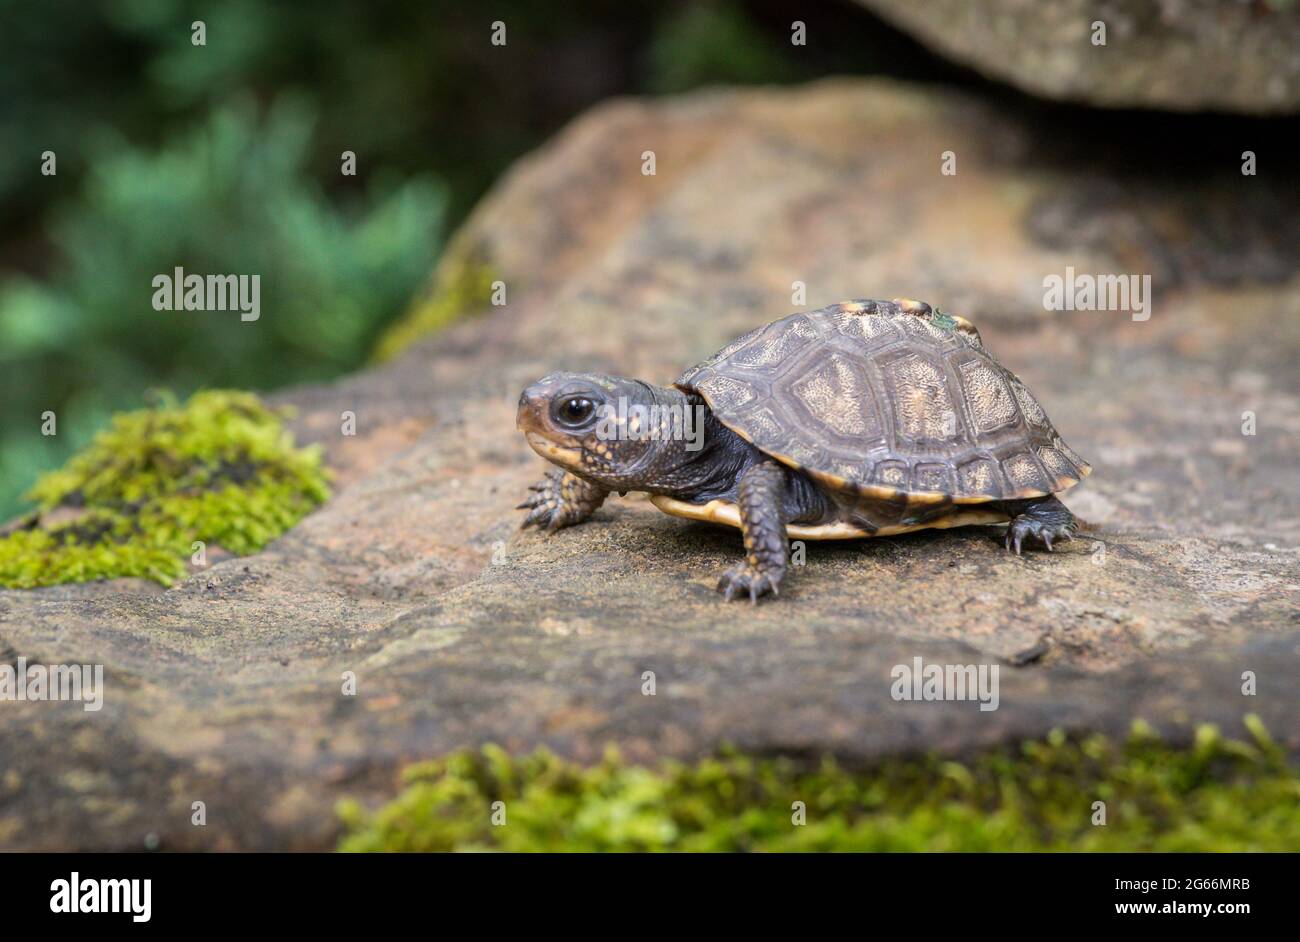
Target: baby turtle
865, 418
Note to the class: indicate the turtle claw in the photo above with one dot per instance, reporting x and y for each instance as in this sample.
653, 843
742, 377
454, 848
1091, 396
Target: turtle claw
745, 579
1023, 528
559, 500
541, 516
544, 504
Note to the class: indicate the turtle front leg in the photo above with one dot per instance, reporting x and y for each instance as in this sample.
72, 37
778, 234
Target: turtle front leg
762, 522
1043, 518
560, 500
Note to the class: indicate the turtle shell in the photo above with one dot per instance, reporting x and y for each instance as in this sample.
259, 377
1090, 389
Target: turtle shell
887, 399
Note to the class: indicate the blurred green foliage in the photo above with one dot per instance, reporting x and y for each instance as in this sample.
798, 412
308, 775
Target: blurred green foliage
715, 43
1219, 795
225, 158
229, 196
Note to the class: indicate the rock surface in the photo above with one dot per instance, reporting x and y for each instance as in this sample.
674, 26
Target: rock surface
1190, 55
461, 630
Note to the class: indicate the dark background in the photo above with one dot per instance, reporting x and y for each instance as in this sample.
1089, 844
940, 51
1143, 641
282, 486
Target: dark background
226, 158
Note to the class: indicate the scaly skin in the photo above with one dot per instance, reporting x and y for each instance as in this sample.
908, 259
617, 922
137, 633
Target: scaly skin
560, 500
762, 519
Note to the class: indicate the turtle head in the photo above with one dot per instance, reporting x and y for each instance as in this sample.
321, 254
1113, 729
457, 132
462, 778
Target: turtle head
618, 432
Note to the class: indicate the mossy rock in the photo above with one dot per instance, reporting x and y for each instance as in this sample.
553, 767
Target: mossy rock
460, 284
1217, 795
463, 630
221, 469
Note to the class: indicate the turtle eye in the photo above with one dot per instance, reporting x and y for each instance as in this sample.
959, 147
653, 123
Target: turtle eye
575, 410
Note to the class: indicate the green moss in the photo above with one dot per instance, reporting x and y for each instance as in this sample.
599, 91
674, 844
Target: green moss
460, 285
1216, 795
221, 469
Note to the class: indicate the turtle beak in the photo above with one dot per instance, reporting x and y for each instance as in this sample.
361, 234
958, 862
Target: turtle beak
534, 407
533, 403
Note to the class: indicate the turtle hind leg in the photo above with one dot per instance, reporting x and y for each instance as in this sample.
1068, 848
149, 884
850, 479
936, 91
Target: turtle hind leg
1042, 518
560, 500
762, 522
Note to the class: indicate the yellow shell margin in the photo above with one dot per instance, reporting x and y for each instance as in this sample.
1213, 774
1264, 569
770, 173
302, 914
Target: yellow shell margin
728, 514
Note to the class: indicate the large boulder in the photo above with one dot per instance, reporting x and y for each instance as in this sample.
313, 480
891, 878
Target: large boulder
460, 630
1190, 55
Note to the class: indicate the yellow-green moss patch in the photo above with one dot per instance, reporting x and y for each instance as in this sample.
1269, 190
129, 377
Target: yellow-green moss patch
221, 469
460, 285
1217, 795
